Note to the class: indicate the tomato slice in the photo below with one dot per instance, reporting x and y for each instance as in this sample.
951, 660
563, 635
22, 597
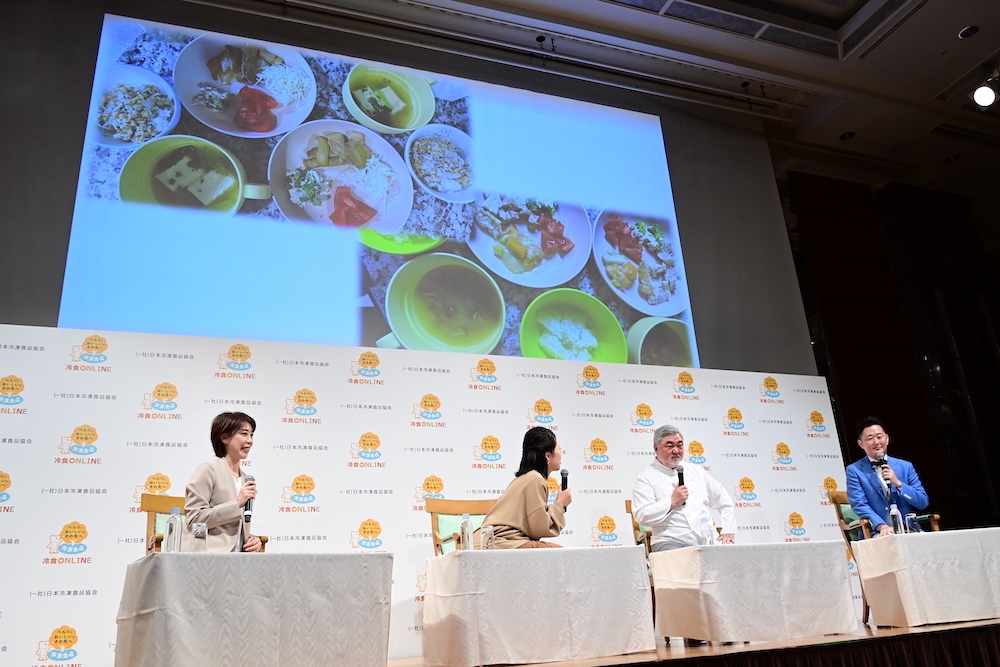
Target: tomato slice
349, 211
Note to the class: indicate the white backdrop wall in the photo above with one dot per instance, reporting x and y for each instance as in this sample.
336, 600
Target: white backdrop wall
90, 420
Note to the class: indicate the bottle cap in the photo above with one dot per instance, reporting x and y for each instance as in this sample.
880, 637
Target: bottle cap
175, 510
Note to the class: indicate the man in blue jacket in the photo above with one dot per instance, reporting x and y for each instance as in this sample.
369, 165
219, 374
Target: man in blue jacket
873, 484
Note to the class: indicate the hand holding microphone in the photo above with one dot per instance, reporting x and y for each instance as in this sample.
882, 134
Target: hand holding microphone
564, 497
680, 495
245, 497
886, 471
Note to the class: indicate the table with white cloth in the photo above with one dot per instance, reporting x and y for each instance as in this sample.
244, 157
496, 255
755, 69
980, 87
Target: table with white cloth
936, 577
307, 610
536, 605
748, 592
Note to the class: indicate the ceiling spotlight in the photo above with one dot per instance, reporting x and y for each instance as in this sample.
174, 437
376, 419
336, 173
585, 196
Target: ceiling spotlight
968, 31
847, 136
986, 94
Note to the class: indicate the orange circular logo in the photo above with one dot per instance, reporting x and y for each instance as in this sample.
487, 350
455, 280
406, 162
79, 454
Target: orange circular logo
239, 352
695, 448
643, 411
73, 533
606, 524
95, 344
543, 407
157, 483
369, 441
770, 383
746, 485
305, 397
490, 444
11, 385
591, 372
433, 484
84, 435
303, 484
370, 529
734, 415
598, 446
63, 637
486, 367
4, 481
368, 360
165, 392
783, 450
830, 484
795, 520
685, 379
430, 403
816, 417
553, 484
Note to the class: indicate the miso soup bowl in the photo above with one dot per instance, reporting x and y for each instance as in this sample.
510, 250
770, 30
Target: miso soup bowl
136, 181
637, 336
400, 300
415, 83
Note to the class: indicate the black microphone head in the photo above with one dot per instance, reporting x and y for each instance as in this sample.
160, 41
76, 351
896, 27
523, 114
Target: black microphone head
565, 478
249, 478
564, 472
880, 456
680, 470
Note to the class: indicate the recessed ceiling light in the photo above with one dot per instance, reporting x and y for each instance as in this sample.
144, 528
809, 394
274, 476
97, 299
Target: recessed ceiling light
968, 31
985, 95
847, 136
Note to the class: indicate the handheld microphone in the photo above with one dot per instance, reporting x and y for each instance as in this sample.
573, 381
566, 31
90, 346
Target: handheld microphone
680, 479
248, 507
880, 462
565, 480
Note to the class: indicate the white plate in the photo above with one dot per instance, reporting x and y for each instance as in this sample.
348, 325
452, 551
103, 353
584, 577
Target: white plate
461, 141
554, 270
192, 68
678, 303
290, 152
135, 76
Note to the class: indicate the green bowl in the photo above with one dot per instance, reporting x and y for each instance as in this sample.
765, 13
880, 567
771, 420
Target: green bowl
398, 244
597, 317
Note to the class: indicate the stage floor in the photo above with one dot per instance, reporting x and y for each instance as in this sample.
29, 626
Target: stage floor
677, 651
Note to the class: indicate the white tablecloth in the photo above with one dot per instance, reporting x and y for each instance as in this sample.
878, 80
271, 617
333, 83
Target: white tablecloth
306, 610
754, 592
923, 578
536, 605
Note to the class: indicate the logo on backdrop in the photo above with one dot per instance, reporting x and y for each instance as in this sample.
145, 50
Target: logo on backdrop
156, 484
541, 412
733, 423
69, 542
428, 410
89, 355
488, 449
795, 528
366, 536
235, 363
160, 403
4, 485
431, 488
59, 647
553, 485
366, 448
484, 376
604, 531
829, 484
643, 416
302, 403
299, 496
595, 456
365, 370
79, 443
590, 382
851, 565
10, 388
815, 426
769, 391
684, 388
782, 458
696, 453
745, 489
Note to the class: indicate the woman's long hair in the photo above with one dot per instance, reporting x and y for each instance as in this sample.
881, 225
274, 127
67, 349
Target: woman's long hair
537, 441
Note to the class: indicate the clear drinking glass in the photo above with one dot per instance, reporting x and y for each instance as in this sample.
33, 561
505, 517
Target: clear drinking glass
199, 544
487, 537
911, 523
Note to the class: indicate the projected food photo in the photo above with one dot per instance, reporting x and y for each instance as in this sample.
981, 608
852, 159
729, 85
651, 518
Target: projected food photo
206, 124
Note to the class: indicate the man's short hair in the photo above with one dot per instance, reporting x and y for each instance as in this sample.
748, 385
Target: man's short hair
870, 421
664, 431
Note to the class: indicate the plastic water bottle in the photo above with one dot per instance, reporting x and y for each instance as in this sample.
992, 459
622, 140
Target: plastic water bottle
707, 531
172, 540
466, 533
896, 520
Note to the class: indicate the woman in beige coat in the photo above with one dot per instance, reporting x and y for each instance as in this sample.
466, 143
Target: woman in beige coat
218, 489
523, 514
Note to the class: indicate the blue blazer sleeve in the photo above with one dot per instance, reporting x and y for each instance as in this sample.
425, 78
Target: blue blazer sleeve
858, 487
911, 490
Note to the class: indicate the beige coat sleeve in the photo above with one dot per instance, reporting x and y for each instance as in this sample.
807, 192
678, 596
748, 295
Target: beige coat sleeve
208, 501
544, 519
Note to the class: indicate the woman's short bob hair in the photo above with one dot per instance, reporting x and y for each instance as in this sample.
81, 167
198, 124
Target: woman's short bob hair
537, 441
225, 425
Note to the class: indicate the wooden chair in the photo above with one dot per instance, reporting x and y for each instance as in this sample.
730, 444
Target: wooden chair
641, 534
157, 509
851, 528
446, 520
